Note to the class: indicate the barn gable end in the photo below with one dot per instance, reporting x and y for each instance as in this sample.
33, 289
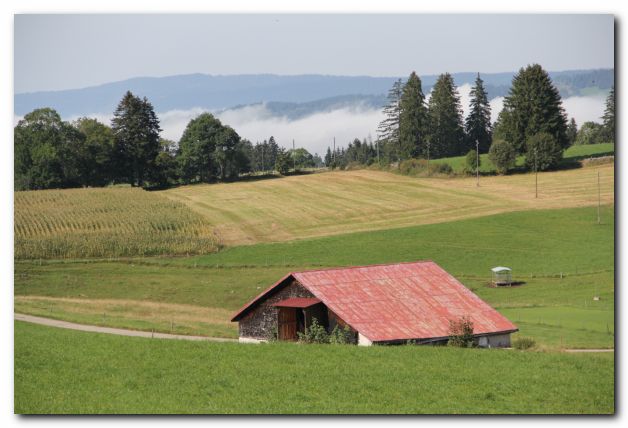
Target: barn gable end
260, 322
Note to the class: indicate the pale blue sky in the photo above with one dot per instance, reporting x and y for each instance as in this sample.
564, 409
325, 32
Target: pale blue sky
70, 51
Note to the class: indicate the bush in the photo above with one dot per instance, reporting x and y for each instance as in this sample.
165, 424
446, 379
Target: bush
418, 167
543, 152
315, 333
502, 155
341, 336
472, 161
590, 133
441, 168
413, 167
461, 333
523, 343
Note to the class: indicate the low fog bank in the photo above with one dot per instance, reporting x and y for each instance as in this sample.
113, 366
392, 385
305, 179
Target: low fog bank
317, 131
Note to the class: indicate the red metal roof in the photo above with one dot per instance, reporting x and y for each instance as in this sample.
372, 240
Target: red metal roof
298, 302
397, 301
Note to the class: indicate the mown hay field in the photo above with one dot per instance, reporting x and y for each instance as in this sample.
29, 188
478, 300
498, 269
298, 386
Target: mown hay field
106, 222
333, 203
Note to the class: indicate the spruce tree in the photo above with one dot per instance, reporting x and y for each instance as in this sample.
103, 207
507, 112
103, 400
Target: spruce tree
445, 119
136, 131
388, 129
609, 117
572, 131
328, 157
478, 123
413, 129
532, 106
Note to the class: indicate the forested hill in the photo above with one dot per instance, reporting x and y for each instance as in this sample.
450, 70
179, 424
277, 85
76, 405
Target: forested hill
312, 92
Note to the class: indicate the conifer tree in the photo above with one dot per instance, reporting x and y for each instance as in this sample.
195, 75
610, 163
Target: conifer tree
388, 129
572, 131
532, 106
136, 131
413, 129
609, 117
445, 119
478, 123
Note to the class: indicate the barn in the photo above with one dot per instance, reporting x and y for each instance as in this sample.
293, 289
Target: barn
383, 304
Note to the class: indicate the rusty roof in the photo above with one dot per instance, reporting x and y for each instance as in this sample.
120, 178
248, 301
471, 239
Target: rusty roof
396, 301
298, 302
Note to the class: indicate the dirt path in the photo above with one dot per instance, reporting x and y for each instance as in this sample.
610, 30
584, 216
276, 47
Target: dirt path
589, 350
108, 330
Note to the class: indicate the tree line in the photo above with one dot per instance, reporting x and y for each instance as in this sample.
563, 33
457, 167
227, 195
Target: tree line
52, 153
532, 123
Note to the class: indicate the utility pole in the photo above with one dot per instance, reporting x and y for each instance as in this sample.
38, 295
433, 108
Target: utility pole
599, 198
294, 158
334, 152
536, 176
477, 163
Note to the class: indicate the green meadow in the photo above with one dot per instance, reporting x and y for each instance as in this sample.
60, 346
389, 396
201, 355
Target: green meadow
571, 155
563, 259
61, 371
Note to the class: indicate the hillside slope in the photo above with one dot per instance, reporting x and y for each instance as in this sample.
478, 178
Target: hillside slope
332, 203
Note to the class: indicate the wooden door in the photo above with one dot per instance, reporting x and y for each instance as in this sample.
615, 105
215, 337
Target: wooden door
287, 325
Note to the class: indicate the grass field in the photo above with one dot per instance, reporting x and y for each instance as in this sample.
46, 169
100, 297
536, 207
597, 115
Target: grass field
134, 375
571, 155
332, 203
106, 222
540, 245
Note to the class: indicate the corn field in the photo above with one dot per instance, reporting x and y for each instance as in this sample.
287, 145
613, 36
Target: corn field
106, 222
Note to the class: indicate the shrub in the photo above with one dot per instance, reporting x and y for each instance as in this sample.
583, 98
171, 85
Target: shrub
502, 155
543, 151
315, 333
472, 161
461, 333
523, 343
413, 167
418, 167
341, 336
273, 335
590, 133
441, 168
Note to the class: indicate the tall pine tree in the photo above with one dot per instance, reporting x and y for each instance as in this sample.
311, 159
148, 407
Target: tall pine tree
413, 129
445, 118
136, 131
478, 123
388, 129
572, 131
609, 117
532, 106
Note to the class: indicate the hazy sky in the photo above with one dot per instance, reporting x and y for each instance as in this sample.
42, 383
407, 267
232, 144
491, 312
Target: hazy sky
71, 51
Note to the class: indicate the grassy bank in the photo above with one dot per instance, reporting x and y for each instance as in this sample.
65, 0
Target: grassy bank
571, 155
133, 375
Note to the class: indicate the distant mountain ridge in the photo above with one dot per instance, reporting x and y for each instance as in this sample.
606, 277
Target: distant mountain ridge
290, 96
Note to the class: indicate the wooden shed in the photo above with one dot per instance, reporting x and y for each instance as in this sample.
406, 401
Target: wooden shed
384, 304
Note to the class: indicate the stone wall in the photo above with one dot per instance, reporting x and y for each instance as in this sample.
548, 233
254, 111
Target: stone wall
261, 321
